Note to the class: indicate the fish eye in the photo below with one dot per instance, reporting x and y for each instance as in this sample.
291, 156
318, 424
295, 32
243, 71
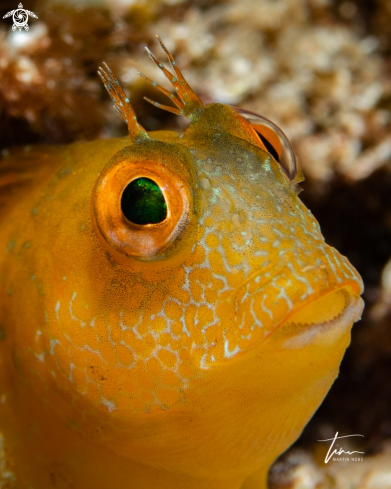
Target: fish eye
274, 141
141, 209
143, 202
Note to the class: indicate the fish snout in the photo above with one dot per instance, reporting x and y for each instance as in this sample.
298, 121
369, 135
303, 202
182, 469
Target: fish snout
295, 301
300, 300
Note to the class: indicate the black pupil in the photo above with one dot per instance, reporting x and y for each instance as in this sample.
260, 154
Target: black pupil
143, 202
270, 148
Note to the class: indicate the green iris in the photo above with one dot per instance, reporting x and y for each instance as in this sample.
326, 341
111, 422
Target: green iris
143, 202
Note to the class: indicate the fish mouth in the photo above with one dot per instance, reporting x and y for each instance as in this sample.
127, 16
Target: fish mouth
324, 320
288, 307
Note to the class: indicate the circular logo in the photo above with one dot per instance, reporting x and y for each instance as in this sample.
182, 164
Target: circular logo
20, 18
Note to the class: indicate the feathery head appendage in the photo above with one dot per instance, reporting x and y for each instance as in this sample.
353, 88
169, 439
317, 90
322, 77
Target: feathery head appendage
164, 107
167, 74
177, 102
191, 105
122, 104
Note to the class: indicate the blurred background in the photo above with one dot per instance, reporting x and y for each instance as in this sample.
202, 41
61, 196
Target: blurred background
321, 70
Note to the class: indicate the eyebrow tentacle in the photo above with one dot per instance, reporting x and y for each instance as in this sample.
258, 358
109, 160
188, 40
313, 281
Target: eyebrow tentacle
178, 103
121, 103
189, 104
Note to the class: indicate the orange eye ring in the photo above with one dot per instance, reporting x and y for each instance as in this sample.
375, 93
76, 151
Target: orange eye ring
141, 242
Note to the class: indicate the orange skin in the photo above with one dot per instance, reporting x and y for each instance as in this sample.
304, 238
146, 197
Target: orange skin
188, 353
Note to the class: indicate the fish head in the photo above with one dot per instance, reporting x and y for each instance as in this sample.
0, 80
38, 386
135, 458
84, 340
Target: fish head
240, 288
250, 254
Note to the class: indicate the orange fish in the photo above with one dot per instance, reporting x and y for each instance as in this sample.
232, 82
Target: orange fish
170, 314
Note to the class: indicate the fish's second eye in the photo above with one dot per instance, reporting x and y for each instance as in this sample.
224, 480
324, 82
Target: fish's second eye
275, 143
270, 140
143, 202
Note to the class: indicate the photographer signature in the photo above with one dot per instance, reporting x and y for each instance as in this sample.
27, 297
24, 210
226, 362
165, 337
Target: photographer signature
340, 451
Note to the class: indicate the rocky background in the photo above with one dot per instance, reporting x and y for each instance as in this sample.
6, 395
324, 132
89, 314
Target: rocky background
318, 68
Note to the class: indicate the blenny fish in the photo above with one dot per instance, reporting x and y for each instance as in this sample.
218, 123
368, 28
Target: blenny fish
171, 316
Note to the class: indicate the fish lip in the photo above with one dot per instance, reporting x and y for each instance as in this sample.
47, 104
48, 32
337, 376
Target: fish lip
326, 332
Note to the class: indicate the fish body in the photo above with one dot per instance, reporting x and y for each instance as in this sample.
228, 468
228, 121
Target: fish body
185, 352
